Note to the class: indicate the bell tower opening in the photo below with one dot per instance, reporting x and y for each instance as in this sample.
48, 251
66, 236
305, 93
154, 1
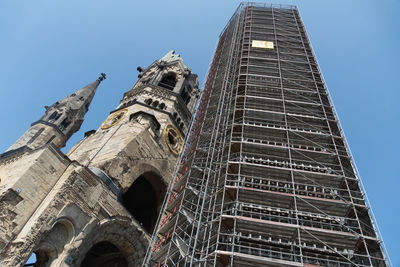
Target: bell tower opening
168, 81
104, 254
144, 198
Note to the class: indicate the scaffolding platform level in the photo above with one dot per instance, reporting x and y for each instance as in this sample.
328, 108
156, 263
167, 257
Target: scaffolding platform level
266, 177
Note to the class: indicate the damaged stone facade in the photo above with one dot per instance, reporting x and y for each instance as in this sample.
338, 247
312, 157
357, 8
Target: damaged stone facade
96, 205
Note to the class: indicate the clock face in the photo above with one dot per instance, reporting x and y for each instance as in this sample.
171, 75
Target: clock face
173, 139
114, 118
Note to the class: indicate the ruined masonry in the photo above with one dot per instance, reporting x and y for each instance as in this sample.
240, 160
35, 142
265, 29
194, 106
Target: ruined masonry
97, 204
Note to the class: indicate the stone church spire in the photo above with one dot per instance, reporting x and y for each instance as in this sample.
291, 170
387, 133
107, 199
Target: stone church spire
61, 119
98, 204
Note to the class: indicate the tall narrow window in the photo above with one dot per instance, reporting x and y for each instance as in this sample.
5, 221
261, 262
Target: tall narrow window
185, 95
51, 139
65, 123
35, 135
54, 116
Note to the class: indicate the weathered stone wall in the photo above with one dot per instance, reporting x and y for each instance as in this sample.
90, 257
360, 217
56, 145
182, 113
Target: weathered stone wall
123, 149
25, 183
38, 135
77, 211
55, 206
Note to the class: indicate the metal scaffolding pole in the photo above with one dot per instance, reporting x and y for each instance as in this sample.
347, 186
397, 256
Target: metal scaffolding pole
266, 178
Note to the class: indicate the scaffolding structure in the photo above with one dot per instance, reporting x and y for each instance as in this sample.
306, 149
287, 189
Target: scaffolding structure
266, 178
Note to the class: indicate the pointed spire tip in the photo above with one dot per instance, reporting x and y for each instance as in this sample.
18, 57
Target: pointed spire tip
102, 77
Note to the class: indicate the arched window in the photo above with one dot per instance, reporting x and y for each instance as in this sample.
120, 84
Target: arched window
65, 123
148, 101
53, 243
104, 254
155, 104
54, 116
185, 95
168, 81
144, 198
162, 106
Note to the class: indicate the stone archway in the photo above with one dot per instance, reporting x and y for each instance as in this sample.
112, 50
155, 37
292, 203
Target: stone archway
125, 235
51, 246
144, 199
104, 254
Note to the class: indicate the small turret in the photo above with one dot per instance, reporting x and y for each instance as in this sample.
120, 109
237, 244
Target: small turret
60, 120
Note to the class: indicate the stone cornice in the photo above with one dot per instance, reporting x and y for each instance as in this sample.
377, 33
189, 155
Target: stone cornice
16, 153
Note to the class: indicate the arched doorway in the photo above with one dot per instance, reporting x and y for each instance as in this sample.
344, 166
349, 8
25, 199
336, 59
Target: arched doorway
121, 232
47, 252
144, 198
104, 254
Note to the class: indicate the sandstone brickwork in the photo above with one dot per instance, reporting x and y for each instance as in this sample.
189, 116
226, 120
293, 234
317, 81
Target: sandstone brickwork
97, 205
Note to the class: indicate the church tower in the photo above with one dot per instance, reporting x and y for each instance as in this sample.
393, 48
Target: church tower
60, 120
98, 204
139, 143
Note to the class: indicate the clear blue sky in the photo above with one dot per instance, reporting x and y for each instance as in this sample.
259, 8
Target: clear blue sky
50, 48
